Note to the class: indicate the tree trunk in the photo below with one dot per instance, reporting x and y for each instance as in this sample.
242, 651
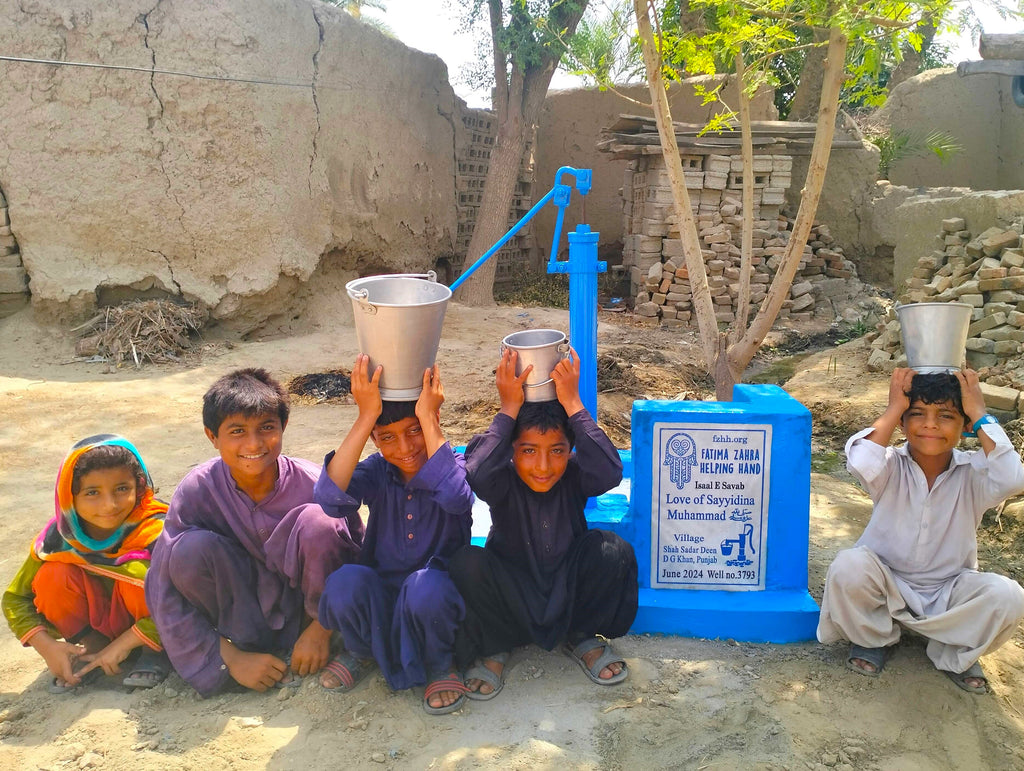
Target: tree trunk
518, 99
911, 64
707, 326
741, 353
492, 216
747, 234
808, 90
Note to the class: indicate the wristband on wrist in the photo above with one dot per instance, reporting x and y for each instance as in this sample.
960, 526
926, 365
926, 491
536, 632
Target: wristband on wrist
984, 420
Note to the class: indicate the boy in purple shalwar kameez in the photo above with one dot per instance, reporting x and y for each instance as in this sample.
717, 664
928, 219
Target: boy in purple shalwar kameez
237, 574
543, 576
398, 606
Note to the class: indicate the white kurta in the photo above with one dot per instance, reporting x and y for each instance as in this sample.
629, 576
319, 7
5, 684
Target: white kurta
916, 563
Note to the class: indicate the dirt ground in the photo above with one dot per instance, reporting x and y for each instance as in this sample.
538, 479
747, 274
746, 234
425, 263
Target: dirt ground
689, 703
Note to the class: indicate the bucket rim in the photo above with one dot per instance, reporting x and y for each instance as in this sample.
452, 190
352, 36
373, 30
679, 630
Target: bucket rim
504, 340
355, 284
933, 304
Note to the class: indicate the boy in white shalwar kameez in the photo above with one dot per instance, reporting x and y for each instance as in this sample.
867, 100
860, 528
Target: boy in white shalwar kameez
916, 564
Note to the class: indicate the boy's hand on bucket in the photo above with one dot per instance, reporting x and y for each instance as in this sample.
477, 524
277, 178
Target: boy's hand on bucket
566, 375
971, 397
899, 384
511, 389
366, 388
432, 396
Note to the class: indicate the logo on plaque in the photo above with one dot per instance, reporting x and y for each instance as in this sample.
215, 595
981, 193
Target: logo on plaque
710, 512
680, 457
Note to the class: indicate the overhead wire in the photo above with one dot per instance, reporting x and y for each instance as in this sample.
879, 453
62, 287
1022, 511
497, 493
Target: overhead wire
265, 81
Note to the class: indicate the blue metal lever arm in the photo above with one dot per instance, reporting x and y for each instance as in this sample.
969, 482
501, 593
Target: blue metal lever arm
503, 240
560, 193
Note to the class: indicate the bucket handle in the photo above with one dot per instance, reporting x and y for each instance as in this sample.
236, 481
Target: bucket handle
361, 295
563, 348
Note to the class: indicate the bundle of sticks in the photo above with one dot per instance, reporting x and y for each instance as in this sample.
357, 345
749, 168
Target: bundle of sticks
141, 331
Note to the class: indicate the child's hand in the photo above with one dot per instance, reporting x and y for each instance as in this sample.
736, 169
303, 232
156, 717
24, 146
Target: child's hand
60, 656
431, 397
257, 671
899, 384
566, 375
366, 388
311, 650
109, 659
971, 397
510, 387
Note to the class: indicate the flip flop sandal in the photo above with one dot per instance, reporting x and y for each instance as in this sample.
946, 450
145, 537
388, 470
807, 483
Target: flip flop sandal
450, 682
150, 669
348, 669
483, 673
876, 657
960, 679
89, 677
594, 670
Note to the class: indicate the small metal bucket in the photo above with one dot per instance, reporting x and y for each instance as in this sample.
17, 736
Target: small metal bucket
543, 348
398, 322
934, 335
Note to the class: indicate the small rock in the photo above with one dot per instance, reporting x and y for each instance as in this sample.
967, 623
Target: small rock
378, 757
673, 689
250, 722
170, 693
283, 694
90, 760
75, 751
829, 759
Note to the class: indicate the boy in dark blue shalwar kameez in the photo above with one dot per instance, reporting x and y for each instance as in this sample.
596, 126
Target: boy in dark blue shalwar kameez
398, 606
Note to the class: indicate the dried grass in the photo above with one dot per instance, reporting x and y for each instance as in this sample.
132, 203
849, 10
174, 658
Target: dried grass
141, 331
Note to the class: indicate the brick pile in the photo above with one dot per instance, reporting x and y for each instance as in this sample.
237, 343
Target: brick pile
653, 252
985, 271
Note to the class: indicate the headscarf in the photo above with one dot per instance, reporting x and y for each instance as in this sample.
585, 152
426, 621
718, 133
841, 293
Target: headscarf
65, 540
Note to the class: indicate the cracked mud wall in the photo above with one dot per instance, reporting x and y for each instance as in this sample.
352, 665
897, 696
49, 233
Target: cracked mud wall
247, 197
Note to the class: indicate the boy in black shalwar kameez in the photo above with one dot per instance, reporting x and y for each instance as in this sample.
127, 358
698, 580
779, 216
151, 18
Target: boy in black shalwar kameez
543, 576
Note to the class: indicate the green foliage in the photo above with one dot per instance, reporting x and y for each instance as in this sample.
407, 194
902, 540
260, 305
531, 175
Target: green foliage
603, 50
895, 145
531, 33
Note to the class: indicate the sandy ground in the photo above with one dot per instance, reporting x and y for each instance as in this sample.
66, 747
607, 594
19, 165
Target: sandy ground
689, 704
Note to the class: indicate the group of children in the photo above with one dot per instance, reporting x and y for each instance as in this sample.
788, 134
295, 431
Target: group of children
260, 571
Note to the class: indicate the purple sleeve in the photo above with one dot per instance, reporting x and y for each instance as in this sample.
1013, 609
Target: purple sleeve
598, 461
191, 641
487, 459
444, 474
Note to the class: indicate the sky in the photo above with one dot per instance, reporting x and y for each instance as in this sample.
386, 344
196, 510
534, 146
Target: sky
433, 26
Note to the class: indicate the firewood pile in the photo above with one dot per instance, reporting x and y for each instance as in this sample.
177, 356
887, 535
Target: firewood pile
141, 331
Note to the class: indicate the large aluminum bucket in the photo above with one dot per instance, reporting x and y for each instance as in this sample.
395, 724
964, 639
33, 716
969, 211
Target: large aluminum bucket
543, 348
934, 335
398, 322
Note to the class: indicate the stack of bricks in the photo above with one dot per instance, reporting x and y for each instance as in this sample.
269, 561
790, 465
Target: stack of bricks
984, 271
653, 252
473, 154
14, 293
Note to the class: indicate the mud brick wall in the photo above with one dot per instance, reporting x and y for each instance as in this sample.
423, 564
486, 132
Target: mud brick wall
14, 293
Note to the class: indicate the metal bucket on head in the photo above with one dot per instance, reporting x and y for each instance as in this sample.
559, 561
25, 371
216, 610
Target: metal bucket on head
543, 348
398, 322
934, 335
